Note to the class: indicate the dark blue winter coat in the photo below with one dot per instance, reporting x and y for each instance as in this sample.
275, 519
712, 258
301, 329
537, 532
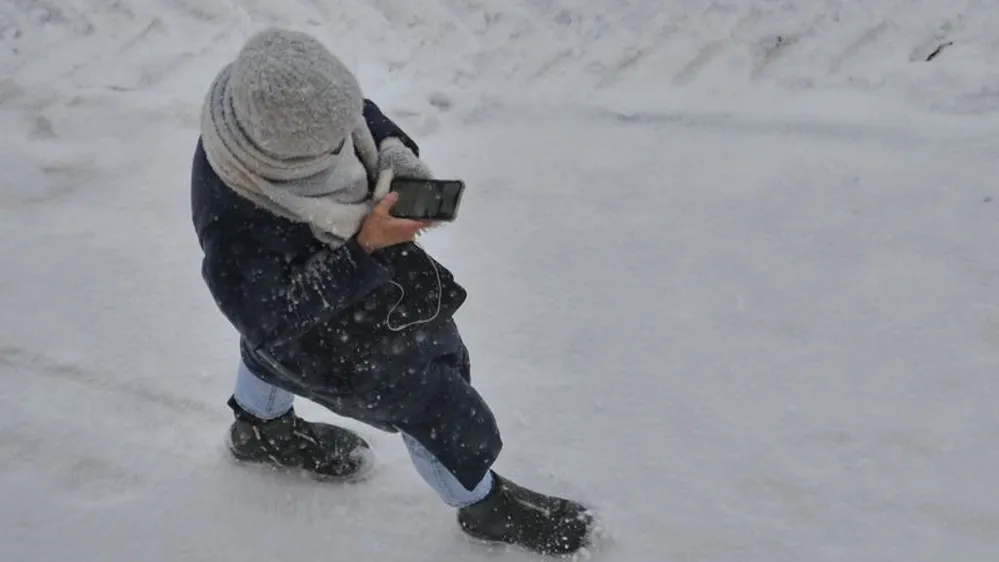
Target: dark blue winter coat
331, 324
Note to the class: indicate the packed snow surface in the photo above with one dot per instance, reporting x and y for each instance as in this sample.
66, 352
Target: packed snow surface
732, 270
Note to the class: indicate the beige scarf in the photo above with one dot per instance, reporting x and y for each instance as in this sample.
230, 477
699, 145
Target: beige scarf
330, 192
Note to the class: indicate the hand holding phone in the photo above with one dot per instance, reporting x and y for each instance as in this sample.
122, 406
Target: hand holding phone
381, 230
427, 199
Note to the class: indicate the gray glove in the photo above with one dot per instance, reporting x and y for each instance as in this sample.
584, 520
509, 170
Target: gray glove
394, 155
395, 159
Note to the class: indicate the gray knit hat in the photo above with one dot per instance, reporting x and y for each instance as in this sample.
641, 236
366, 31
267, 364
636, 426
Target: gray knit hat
291, 96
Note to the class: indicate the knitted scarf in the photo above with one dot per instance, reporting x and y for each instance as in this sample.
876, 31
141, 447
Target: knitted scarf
329, 192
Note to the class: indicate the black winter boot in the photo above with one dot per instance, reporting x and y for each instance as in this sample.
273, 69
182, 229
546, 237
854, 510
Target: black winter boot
517, 516
323, 450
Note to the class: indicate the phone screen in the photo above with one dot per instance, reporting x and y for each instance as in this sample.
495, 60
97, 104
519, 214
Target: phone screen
427, 199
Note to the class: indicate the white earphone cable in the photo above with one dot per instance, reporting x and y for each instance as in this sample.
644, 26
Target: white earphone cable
402, 296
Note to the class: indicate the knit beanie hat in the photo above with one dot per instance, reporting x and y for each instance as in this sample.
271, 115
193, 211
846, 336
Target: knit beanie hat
291, 97
283, 126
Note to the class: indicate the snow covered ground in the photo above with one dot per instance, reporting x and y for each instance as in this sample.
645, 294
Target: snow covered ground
732, 270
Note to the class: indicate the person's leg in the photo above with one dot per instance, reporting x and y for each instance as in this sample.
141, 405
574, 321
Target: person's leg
448, 427
441, 480
261, 399
454, 444
267, 430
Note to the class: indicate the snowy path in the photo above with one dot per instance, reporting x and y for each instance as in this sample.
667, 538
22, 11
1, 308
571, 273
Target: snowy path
796, 348
748, 322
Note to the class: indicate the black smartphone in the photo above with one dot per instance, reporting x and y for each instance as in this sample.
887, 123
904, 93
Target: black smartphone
427, 200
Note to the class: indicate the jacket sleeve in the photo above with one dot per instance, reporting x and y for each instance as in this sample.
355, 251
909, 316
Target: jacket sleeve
382, 127
273, 302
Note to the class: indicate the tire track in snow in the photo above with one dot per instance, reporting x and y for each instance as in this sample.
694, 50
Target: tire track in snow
702, 58
897, 134
775, 47
637, 56
87, 463
470, 44
867, 38
21, 360
69, 469
712, 49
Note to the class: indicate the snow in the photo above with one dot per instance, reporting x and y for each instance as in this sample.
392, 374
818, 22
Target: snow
738, 293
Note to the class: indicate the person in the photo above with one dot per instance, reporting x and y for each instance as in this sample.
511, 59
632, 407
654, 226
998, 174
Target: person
335, 301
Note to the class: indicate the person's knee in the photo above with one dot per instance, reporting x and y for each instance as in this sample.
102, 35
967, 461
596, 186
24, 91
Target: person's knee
472, 417
471, 459
462, 433
482, 441
487, 437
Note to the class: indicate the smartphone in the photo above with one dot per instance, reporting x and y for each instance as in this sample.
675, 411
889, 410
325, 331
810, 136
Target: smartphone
427, 200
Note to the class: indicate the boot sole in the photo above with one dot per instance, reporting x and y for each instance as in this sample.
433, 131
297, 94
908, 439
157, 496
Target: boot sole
584, 552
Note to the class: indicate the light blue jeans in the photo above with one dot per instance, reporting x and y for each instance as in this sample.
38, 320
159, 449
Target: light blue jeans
267, 401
